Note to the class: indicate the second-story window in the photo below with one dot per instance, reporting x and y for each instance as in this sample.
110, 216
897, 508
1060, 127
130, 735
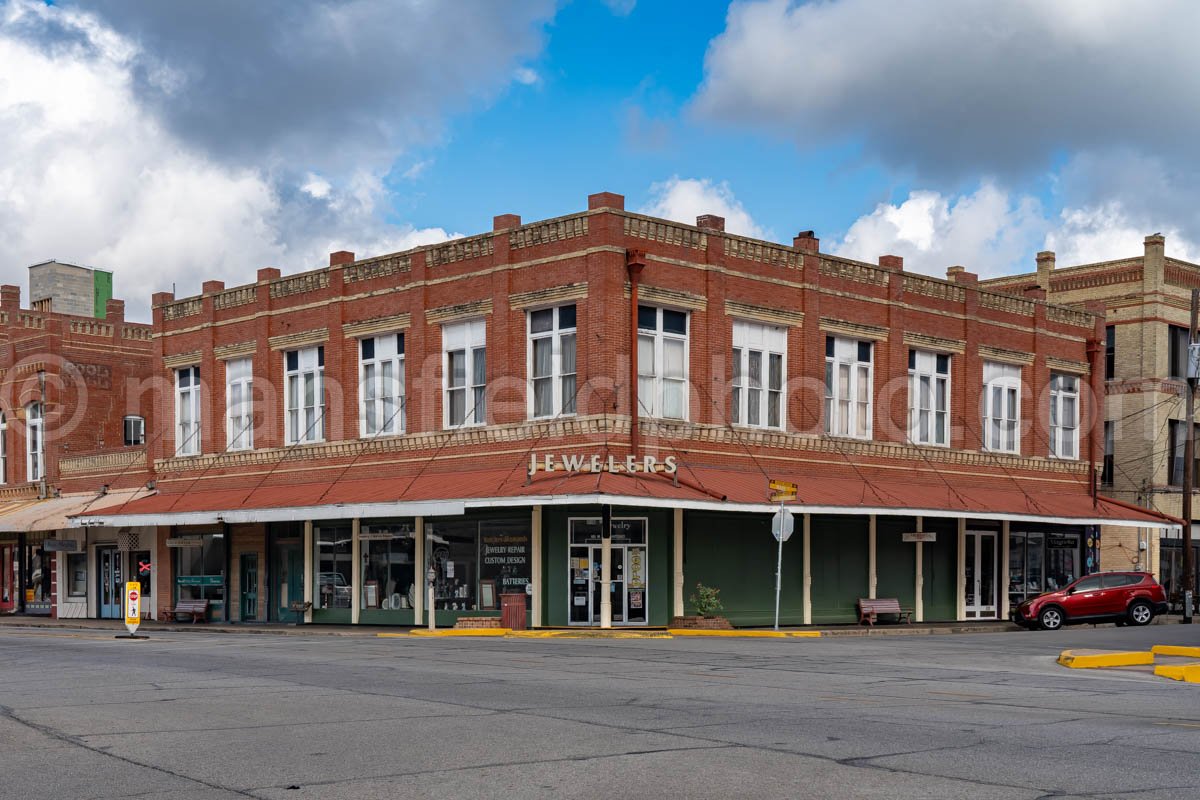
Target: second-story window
465, 371
848, 387
239, 404
381, 385
187, 411
662, 362
3, 448
1110, 352
304, 371
1106, 473
1177, 431
1064, 416
1177, 351
35, 463
929, 398
135, 431
552, 362
1001, 407
759, 355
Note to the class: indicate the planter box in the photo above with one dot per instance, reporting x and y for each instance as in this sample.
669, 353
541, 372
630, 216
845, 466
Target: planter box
702, 623
477, 622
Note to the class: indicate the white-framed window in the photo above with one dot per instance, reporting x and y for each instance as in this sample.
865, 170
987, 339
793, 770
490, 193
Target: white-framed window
1064, 415
759, 364
239, 404
663, 362
187, 411
1001, 407
464, 369
304, 408
135, 430
381, 385
552, 362
929, 398
35, 463
3, 448
848, 387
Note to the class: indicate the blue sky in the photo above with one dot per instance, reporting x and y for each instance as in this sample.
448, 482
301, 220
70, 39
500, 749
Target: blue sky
176, 142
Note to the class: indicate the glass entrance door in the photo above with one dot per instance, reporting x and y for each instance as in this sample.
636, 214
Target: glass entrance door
627, 572
980, 566
8, 577
112, 583
248, 568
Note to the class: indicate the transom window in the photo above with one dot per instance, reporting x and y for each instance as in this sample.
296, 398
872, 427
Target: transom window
135, 430
187, 411
662, 362
848, 387
465, 371
1002, 409
929, 398
759, 358
381, 385
304, 372
1064, 415
552, 377
239, 404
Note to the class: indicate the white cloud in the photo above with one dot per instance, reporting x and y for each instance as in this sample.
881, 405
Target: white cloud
526, 76
684, 199
1107, 232
316, 186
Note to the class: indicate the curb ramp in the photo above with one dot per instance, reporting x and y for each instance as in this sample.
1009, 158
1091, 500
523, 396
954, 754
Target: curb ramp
1164, 660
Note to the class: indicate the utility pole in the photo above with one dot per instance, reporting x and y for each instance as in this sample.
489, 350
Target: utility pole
1189, 451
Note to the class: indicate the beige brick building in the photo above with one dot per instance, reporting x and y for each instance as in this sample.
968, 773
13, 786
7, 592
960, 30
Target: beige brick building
1147, 300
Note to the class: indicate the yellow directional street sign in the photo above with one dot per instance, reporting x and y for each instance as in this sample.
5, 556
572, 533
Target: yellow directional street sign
779, 497
782, 490
133, 605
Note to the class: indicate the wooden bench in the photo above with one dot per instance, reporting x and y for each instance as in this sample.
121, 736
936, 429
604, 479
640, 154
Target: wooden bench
299, 608
869, 610
198, 609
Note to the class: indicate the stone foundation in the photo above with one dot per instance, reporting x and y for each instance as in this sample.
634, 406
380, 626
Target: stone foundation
702, 623
477, 622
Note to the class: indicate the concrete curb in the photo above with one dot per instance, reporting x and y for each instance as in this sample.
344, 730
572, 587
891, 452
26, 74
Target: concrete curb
1175, 650
1098, 659
1188, 673
744, 634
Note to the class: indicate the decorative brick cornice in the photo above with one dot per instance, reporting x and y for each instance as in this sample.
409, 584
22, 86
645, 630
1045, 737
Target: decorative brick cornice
1073, 367
763, 252
239, 350
553, 230
854, 271
182, 359
104, 462
773, 316
476, 308
665, 232
856, 330
370, 327
1005, 356
936, 343
553, 294
669, 297
291, 341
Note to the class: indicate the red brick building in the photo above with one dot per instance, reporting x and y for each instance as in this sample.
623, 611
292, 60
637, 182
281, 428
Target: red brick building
477, 410
74, 409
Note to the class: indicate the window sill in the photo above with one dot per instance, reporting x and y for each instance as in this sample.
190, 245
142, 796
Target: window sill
552, 417
302, 442
381, 435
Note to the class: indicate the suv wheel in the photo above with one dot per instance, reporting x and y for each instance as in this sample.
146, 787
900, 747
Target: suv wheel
1051, 618
1140, 613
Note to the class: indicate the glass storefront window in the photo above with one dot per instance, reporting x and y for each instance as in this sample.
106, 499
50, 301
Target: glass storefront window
141, 569
1062, 560
1041, 561
466, 554
454, 555
388, 551
37, 579
200, 569
77, 574
334, 558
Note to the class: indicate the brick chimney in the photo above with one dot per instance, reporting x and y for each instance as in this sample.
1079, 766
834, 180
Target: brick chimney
958, 274
1045, 267
1154, 262
806, 241
114, 310
10, 296
268, 274
212, 287
341, 257
711, 221
892, 262
502, 222
606, 200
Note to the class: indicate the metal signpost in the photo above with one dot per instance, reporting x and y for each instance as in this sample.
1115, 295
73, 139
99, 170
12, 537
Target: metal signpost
782, 525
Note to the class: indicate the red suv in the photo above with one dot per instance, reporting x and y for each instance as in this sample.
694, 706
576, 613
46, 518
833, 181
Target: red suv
1126, 598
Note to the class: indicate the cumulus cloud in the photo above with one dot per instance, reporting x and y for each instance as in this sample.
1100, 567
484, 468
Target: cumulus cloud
110, 153
684, 199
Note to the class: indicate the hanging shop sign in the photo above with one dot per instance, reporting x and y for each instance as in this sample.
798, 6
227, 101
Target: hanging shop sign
919, 536
578, 463
189, 541
1061, 542
60, 546
199, 580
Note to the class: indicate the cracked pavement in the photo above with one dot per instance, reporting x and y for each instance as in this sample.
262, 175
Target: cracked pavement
211, 715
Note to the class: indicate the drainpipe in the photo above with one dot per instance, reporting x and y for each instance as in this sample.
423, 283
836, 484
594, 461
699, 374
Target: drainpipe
1093, 352
635, 262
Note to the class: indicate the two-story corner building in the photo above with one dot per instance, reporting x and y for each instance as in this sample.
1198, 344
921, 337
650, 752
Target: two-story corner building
74, 411
1146, 300
507, 412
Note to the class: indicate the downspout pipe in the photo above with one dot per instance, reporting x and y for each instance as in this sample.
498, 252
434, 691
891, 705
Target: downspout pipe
1093, 352
635, 262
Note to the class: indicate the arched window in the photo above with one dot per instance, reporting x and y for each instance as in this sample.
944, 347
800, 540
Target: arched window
35, 465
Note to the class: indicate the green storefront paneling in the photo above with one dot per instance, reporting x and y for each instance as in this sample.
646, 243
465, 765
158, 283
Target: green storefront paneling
940, 570
896, 560
737, 554
839, 567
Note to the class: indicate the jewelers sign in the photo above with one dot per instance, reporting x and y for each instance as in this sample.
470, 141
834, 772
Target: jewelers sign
552, 462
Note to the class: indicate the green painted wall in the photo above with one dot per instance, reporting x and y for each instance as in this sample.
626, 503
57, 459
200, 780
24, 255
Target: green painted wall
839, 567
940, 570
896, 560
101, 292
737, 554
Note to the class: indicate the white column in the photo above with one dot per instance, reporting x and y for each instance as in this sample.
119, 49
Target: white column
807, 569
960, 603
356, 571
308, 568
919, 601
536, 566
872, 566
1001, 582
677, 557
606, 581
419, 559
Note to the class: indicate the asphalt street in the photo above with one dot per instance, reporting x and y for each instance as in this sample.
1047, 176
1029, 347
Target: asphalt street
204, 715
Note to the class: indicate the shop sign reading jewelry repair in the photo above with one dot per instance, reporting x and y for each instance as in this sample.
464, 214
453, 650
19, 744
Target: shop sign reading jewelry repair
628, 465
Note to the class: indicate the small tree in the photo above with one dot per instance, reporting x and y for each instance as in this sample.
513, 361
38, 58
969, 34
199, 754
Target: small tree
706, 600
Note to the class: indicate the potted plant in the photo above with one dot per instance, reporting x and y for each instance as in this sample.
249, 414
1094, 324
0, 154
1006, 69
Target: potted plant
707, 602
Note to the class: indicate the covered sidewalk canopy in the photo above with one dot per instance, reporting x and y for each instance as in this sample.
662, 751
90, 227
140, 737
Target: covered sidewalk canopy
54, 513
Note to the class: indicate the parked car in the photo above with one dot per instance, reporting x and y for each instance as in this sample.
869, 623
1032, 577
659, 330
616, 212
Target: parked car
1126, 598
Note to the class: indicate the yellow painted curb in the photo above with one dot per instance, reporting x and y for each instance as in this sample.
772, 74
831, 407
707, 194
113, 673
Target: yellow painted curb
740, 634
393, 635
1189, 673
1094, 659
460, 632
589, 634
1175, 650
